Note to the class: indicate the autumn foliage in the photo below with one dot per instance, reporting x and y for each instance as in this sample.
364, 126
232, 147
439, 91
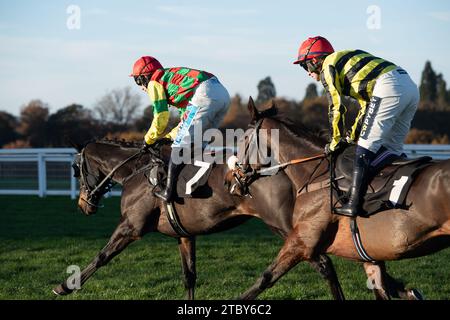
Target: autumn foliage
118, 115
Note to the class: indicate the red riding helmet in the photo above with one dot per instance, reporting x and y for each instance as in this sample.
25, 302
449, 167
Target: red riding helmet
312, 48
145, 66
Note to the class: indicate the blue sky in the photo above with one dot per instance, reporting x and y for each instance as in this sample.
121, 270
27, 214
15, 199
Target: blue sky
239, 41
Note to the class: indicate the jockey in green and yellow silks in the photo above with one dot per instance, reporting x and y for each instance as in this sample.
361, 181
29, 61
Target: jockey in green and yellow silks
200, 97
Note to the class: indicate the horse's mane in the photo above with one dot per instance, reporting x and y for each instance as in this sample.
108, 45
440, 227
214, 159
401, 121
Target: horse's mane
297, 129
120, 143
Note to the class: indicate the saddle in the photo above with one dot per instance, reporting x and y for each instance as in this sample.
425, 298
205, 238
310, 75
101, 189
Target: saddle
189, 180
390, 178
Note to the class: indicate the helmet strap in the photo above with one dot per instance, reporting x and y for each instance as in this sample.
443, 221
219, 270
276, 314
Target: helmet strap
310, 46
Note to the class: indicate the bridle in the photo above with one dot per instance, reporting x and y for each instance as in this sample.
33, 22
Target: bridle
88, 181
244, 174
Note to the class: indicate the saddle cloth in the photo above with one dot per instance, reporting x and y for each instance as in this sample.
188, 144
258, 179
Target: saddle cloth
190, 178
390, 178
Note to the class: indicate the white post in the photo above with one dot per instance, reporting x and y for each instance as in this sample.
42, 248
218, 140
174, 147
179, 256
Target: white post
42, 175
73, 181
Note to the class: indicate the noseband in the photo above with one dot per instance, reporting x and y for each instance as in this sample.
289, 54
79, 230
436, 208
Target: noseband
88, 182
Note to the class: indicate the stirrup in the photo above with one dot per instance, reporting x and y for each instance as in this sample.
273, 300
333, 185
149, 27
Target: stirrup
162, 195
335, 211
344, 214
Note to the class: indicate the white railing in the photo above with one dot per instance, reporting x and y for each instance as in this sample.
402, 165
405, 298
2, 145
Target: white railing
35, 166
436, 151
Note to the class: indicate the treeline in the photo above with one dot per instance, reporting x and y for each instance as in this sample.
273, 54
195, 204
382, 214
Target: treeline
431, 124
118, 115
115, 115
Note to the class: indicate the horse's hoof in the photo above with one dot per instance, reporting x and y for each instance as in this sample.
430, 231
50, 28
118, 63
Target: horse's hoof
61, 290
415, 294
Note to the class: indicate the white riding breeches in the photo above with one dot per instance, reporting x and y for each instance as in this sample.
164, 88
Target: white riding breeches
205, 110
388, 116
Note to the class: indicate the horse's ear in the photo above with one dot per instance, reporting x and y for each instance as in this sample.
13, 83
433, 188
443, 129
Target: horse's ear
272, 104
252, 109
273, 107
270, 111
72, 143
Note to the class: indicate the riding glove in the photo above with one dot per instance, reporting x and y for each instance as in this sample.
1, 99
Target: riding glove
145, 147
339, 147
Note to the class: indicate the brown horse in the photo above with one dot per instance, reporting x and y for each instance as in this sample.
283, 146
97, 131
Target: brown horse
141, 212
389, 235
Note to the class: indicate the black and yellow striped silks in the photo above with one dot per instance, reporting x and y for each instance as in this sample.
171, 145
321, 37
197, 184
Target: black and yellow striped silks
350, 73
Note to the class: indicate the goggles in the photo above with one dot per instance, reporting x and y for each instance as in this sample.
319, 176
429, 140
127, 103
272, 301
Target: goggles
140, 80
309, 66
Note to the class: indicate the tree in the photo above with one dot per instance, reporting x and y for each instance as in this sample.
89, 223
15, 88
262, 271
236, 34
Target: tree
428, 83
119, 106
8, 124
144, 122
33, 123
311, 92
237, 115
442, 94
72, 122
266, 90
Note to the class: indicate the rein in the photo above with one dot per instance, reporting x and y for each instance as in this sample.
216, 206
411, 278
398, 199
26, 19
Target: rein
244, 178
106, 181
295, 161
108, 177
282, 165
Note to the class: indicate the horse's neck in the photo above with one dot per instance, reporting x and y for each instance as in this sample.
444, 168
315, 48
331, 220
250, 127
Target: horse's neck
290, 148
109, 156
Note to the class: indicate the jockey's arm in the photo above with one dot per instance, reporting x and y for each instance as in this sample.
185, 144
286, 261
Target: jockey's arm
336, 109
160, 112
173, 133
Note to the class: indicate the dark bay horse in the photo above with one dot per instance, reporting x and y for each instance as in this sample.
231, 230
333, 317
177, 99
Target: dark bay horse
389, 235
141, 212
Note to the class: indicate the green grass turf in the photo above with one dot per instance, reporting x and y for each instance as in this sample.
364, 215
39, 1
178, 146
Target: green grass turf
40, 238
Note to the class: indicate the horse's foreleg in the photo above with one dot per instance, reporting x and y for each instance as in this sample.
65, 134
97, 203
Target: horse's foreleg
288, 257
120, 239
187, 252
325, 267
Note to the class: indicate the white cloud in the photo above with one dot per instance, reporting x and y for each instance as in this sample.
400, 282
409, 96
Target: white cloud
147, 21
37, 49
95, 12
190, 11
440, 15
231, 48
6, 26
61, 71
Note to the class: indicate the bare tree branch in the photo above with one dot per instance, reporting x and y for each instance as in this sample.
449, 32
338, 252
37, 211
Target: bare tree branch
118, 106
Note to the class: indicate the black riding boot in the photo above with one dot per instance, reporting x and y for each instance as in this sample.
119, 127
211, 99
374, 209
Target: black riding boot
358, 188
172, 172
